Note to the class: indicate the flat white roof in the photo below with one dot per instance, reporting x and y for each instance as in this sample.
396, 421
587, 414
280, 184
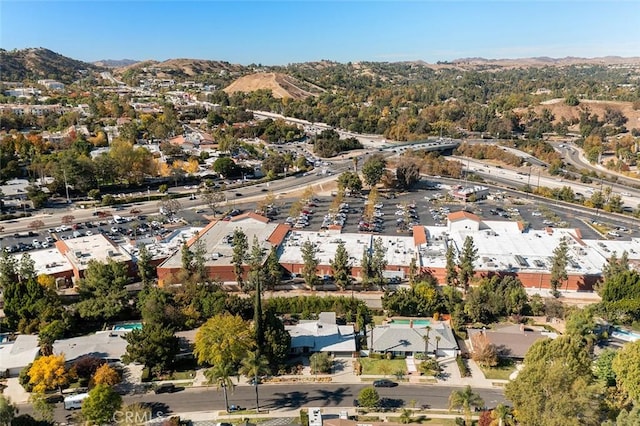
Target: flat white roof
502, 246
399, 250
160, 249
94, 247
48, 261
219, 252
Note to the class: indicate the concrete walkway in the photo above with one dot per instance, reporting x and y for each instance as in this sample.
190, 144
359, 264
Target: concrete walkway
16, 392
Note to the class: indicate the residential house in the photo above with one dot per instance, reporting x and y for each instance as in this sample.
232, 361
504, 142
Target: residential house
17, 354
109, 345
323, 335
408, 337
511, 340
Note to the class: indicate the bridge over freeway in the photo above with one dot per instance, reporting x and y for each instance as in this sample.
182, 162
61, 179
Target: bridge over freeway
443, 145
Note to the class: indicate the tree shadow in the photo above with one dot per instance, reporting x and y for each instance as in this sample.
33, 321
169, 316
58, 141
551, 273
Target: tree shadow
335, 396
293, 399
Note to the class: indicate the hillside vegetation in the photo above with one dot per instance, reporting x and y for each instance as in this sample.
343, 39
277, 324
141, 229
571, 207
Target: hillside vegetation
40, 63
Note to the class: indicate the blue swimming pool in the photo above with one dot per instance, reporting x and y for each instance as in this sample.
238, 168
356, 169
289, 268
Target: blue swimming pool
128, 326
626, 335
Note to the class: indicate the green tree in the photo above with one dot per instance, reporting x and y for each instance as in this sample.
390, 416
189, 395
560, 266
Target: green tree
157, 306
463, 400
366, 272
373, 169
223, 338
615, 266
626, 366
226, 167
7, 410
413, 271
465, 266
556, 385
350, 181
277, 340
310, 263
559, 267
341, 266
369, 398
102, 291
581, 324
101, 405
255, 365
273, 270
320, 363
502, 415
603, 367
186, 257
49, 334
239, 255
451, 275
378, 263
221, 374
146, 271
154, 345
257, 273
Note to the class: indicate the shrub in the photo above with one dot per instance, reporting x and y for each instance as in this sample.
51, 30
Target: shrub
389, 355
146, 374
304, 417
462, 366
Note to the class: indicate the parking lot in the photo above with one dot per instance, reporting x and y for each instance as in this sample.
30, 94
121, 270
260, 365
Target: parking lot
431, 207
428, 205
115, 227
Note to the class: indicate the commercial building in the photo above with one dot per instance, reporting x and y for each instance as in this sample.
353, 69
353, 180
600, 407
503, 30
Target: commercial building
80, 251
216, 239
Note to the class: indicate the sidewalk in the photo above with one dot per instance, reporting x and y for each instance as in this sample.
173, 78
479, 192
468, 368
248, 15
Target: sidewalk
212, 417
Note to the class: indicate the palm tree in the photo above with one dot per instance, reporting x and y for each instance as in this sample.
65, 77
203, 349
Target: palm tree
405, 417
221, 374
437, 342
464, 399
502, 415
426, 340
255, 365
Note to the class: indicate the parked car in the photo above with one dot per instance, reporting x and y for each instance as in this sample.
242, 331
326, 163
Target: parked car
165, 388
384, 383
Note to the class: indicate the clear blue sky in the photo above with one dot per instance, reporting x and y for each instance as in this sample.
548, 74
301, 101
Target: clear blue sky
273, 32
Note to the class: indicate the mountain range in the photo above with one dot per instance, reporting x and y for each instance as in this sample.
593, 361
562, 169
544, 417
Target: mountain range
39, 63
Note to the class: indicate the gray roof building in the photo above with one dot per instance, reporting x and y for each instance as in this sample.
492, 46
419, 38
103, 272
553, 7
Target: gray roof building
512, 340
407, 338
109, 345
323, 335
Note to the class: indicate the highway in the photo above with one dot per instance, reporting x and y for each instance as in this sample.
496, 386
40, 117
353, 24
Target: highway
290, 397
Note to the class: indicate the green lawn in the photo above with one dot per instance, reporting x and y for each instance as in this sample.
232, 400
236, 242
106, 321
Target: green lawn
382, 366
501, 372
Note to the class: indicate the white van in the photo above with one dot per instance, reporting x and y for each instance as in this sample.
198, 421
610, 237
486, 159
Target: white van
74, 402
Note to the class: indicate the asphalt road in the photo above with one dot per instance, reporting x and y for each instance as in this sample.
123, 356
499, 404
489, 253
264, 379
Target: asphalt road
291, 397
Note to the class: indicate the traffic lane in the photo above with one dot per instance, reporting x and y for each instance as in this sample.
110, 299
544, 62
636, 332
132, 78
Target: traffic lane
288, 396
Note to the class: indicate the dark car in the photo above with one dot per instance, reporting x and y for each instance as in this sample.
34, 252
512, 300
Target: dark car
384, 383
238, 194
165, 388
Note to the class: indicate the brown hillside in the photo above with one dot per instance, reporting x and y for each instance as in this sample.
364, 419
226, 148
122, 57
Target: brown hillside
560, 109
281, 85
